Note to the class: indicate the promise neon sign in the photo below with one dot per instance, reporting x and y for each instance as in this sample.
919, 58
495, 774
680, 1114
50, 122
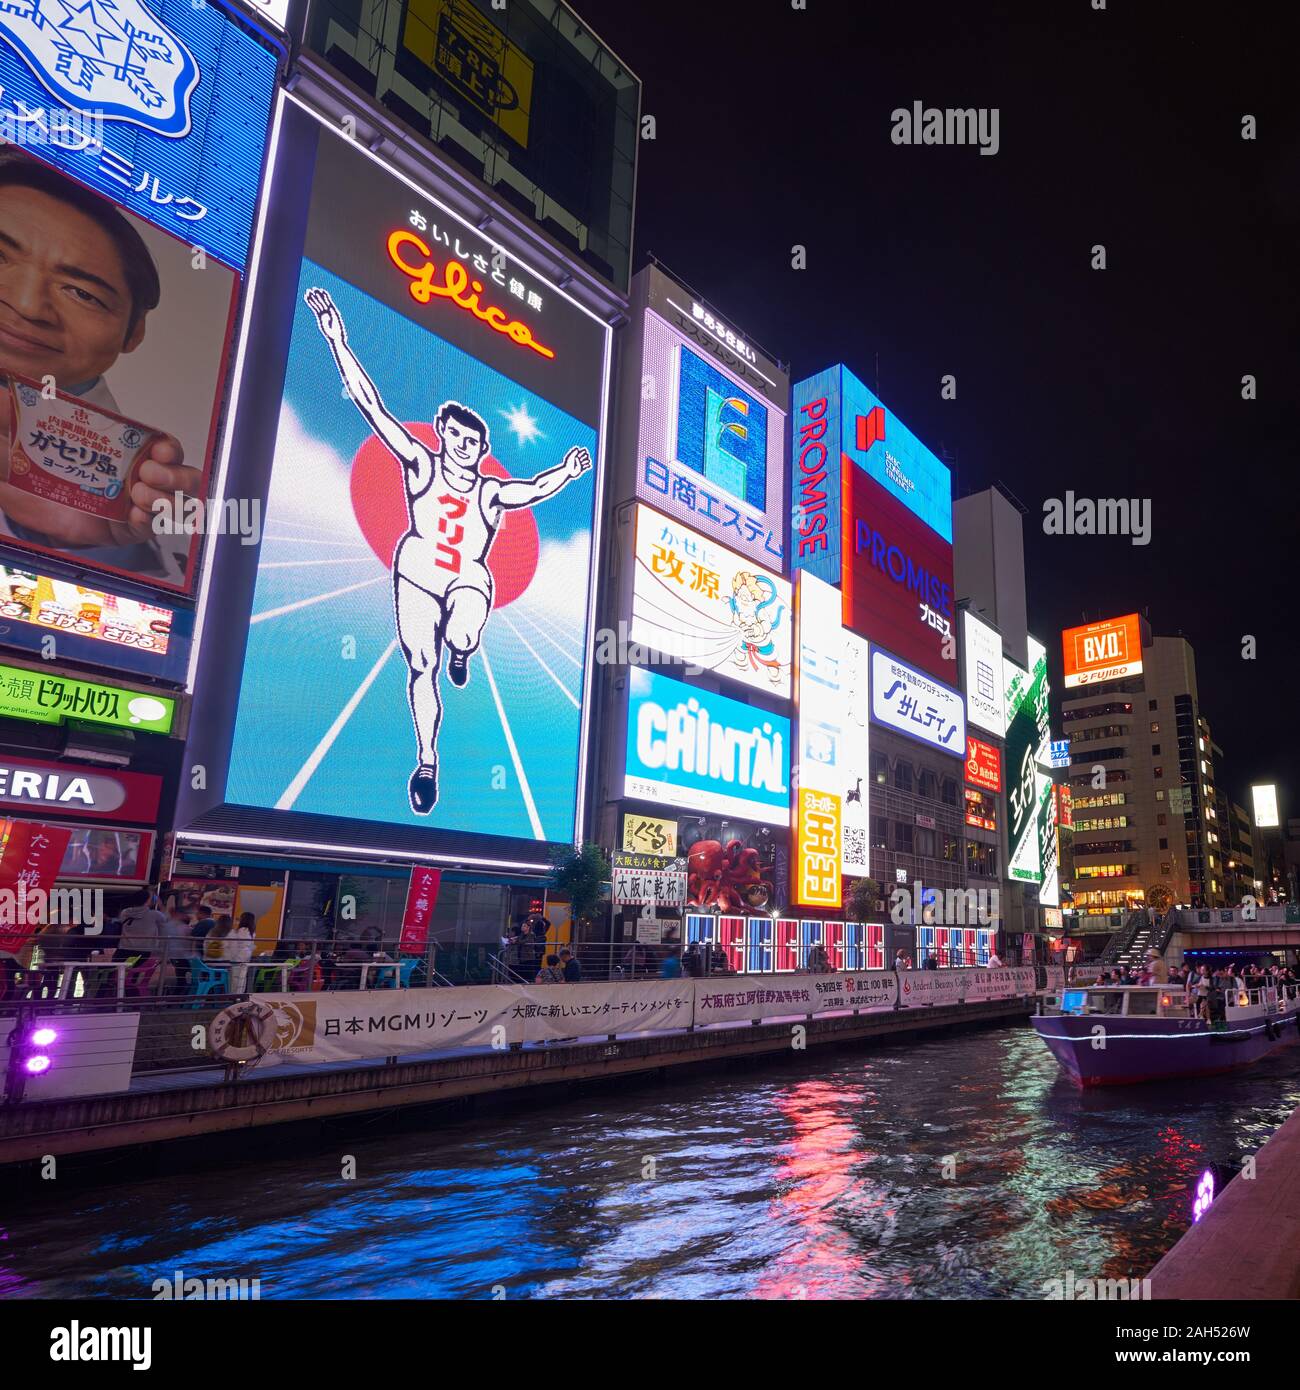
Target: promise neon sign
458, 287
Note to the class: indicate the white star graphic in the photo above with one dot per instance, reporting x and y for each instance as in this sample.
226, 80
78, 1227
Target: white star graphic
97, 32
522, 425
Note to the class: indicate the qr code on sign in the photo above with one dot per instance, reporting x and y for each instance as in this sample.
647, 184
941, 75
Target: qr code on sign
855, 844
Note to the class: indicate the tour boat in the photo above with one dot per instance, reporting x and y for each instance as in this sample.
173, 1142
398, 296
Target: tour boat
1116, 1035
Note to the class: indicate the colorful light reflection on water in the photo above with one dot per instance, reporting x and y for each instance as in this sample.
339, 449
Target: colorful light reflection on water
960, 1167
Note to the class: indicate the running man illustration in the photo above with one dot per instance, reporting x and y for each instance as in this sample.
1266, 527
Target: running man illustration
442, 587
751, 594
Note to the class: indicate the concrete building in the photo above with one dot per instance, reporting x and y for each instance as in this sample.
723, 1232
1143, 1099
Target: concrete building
1237, 837
1143, 781
989, 564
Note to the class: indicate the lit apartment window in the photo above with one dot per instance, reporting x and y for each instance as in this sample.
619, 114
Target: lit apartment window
1160, 796
1165, 870
1155, 726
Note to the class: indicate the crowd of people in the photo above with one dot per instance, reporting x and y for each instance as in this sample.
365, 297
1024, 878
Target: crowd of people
1206, 988
169, 944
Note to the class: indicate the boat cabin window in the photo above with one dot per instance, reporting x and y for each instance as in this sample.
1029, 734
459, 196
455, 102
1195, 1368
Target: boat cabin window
1105, 1001
1143, 1002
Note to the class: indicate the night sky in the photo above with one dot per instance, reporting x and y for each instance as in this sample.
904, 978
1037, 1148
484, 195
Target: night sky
1120, 127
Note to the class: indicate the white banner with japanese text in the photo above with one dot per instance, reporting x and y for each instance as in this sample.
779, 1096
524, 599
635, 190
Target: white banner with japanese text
343, 1026
920, 988
340, 1026
739, 997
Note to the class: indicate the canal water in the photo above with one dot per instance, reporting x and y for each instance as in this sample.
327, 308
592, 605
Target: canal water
963, 1167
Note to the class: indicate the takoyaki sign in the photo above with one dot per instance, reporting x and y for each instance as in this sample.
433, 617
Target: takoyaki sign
647, 878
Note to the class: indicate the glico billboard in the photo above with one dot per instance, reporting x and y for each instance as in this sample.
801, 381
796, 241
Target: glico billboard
871, 512
709, 443
132, 142
1105, 651
417, 652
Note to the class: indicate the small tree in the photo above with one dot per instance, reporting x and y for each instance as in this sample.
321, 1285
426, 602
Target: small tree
863, 897
579, 875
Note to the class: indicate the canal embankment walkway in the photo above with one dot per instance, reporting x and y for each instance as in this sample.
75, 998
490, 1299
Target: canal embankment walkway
1246, 1248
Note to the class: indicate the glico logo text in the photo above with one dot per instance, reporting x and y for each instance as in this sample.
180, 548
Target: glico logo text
901, 568
456, 286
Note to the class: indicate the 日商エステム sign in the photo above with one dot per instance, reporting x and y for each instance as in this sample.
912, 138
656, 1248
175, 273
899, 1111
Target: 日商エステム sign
710, 447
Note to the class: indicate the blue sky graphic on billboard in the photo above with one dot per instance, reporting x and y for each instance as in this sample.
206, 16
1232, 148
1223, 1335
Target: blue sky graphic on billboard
882, 445
173, 129
333, 736
722, 431
837, 421
691, 748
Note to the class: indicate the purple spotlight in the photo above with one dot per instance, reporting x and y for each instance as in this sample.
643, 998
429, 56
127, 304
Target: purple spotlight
1204, 1195
43, 1037
36, 1065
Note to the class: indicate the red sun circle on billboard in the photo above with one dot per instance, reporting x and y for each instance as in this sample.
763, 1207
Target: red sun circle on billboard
379, 504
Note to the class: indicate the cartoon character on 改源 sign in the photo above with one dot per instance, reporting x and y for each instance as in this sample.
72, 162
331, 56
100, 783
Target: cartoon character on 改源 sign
752, 596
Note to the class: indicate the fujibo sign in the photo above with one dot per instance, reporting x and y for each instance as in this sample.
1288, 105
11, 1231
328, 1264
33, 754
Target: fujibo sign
688, 747
52, 699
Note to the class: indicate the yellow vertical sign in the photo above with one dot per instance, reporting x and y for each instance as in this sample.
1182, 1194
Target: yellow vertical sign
818, 849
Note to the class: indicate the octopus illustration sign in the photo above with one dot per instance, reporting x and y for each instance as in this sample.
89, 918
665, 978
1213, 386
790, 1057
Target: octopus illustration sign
695, 600
424, 587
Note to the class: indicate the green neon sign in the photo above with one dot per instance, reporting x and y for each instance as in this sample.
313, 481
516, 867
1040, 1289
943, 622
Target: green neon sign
51, 699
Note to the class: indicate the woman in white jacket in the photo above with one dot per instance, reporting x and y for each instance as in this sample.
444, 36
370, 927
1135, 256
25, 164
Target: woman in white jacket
237, 947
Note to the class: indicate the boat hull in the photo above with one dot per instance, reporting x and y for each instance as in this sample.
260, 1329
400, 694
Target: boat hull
1097, 1050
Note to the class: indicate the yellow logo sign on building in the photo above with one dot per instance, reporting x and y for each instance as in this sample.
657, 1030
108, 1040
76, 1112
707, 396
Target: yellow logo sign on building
649, 835
475, 58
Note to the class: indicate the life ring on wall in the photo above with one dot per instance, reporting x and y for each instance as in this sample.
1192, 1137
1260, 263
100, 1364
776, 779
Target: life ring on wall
242, 1033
